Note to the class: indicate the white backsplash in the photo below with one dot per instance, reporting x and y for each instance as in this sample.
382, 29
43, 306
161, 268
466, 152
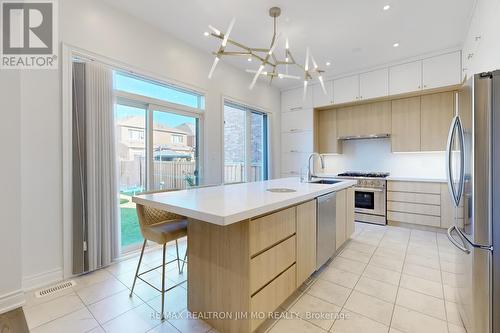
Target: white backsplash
376, 155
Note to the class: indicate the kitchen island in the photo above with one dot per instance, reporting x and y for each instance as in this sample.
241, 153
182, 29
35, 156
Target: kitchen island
251, 245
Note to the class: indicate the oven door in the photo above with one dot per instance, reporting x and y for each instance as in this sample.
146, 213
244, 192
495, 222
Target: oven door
369, 200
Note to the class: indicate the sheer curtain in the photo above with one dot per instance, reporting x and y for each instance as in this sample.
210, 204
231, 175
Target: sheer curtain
103, 243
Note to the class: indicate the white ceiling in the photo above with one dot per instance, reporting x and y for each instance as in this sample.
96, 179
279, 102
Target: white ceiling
351, 34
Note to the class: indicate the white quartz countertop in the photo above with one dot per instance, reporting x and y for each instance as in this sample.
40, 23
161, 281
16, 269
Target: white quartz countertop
416, 179
227, 204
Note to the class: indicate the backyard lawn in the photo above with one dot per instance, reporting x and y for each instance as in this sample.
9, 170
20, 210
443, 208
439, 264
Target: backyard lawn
130, 231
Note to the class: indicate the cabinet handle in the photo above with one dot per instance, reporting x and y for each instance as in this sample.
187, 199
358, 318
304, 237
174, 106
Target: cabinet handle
425, 86
296, 108
419, 87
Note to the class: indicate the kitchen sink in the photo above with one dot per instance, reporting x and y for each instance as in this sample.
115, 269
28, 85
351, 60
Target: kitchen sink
325, 181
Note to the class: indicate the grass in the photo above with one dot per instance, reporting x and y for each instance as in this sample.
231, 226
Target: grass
131, 233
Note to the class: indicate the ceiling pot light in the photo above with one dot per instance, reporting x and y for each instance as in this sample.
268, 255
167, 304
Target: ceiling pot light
395, 45
249, 59
206, 34
387, 7
328, 63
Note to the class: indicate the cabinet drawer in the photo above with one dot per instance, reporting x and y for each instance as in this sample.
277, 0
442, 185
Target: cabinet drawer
267, 265
271, 229
434, 221
407, 207
421, 198
268, 299
414, 187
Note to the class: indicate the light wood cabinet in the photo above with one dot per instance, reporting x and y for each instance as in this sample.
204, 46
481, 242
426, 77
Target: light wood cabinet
442, 70
270, 229
346, 89
326, 132
319, 96
423, 203
405, 78
374, 84
306, 240
405, 120
340, 218
436, 114
364, 119
349, 221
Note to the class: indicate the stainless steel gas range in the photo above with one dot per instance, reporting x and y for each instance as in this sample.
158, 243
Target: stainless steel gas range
370, 196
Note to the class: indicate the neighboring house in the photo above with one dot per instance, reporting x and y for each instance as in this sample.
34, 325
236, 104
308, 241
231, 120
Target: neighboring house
170, 143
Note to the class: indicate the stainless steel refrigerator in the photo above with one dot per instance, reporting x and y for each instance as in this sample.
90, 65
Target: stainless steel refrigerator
473, 168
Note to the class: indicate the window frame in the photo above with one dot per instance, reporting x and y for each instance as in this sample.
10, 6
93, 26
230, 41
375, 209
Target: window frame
249, 110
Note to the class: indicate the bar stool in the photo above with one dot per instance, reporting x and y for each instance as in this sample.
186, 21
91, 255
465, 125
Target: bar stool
160, 227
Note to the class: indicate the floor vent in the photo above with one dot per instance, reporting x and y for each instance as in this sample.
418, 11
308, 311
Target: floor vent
55, 289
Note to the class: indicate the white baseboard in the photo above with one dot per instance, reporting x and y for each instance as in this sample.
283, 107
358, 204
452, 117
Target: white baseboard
11, 301
42, 279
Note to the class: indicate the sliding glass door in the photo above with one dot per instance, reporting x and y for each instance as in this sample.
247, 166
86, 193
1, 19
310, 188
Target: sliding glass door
245, 144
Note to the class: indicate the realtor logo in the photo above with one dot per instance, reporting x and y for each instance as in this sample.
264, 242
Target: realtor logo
29, 39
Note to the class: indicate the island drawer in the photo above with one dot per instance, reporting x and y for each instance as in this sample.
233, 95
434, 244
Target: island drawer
269, 264
269, 298
270, 229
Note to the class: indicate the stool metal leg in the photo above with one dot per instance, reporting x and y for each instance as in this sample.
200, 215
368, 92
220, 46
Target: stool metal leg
138, 266
178, 259
184, 261
163, 283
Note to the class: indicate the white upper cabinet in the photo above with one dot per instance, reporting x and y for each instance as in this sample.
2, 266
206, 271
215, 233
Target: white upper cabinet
443, 70
405, 78
374, 84
293, 100
297, 121
346, 89
319, 96
300, 142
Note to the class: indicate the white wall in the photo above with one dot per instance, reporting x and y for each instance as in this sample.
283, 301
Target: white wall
10, 220
486, 51
104, 30
375, 155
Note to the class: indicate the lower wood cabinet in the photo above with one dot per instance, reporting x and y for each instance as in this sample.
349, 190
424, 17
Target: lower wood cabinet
344, 218
306, 240
423, 203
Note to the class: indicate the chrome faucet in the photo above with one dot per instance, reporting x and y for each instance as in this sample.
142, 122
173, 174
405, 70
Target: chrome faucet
309, 173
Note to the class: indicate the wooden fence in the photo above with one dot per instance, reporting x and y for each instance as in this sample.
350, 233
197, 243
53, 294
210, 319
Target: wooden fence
176, 174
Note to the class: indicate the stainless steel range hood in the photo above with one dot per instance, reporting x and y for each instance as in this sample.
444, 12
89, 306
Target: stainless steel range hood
359, 137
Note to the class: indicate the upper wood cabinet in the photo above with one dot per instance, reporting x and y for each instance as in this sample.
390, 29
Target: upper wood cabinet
405, 78
436, 113
319, 96
293, 100
326, 134
306, 240
443, 70
374, 84
346, 89
405, 135
364, 119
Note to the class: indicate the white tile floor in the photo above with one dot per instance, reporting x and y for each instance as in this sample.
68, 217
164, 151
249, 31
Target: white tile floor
387, 279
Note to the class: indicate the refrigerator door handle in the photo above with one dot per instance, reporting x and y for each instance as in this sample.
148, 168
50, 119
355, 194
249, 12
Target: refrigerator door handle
455, 129
453, 240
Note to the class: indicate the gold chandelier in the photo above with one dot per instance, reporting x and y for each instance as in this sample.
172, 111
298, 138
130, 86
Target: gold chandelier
266, 56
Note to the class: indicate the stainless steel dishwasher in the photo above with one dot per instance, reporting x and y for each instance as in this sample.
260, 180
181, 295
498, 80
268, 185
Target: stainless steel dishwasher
325, 228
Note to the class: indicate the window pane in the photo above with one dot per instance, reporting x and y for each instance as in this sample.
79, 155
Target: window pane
234, 144
258, 140
175, 154
130, 136
146, 88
